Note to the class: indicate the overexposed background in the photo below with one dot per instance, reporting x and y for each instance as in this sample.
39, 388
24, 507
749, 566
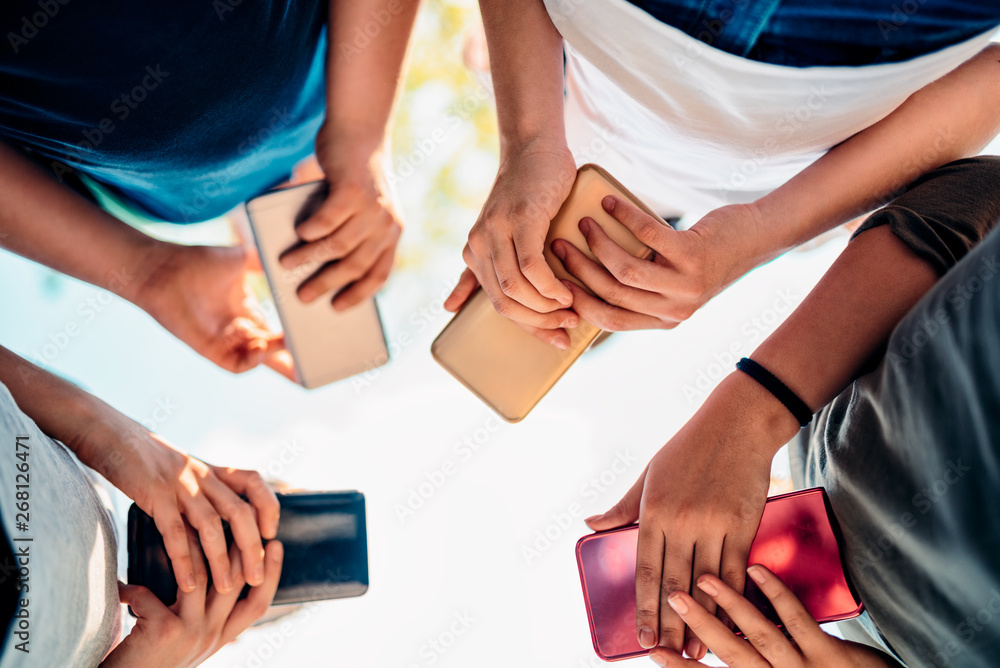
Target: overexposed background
472, 523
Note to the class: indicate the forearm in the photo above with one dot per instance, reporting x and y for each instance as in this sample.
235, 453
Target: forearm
526, 61
60, 409
951, 118
364, 70
44, 221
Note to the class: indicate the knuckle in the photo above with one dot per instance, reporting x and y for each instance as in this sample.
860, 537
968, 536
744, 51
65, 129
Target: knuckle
647, 232
626, 273
510, 286
647, 575
671, 636
645, 614
672, 583
503, 306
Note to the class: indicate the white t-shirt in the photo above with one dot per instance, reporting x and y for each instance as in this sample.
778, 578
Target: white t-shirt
689, 128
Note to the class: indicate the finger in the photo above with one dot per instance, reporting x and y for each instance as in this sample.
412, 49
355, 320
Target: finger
677, 559
170, 524
339, 243
732, 565
280, 359
626, 511
337, 209
513, 283
645, 228
467, 284
334, 277
191, 605
244, 343
707, 555
243, 524
625, 267
509, 308
143, 602
602, 283
264, 501
762, 634
366, 287
528, 246
219, 605
612, 318
730, 648
648, 576
250, 609
203, 516
663, 656
804, 629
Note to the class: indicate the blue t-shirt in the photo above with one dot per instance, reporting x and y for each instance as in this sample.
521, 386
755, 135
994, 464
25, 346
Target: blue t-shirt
183, 108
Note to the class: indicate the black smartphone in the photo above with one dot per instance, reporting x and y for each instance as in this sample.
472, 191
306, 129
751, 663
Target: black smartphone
326, 549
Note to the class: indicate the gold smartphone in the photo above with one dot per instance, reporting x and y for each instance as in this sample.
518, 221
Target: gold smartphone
326, 345
507, 368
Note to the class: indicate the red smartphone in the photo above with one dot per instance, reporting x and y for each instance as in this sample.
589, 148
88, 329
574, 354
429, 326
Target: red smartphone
797, 539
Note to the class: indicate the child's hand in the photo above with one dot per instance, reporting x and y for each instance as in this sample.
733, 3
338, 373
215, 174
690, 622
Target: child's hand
766, 646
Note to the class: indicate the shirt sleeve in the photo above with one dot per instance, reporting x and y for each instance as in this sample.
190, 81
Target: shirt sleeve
946, 212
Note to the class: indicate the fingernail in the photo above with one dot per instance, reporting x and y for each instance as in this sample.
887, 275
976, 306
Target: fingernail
757, 574
227, 583
258, 574
608, 203
678, 604
559, 251
570, 322
592, 518
647, 638
693, 648
306, 295
190, 584
565, 301
708, 588
585, 226
560, 344
658, 660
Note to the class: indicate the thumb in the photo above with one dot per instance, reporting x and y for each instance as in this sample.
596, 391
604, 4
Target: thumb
143, 602
460, 294
626, 511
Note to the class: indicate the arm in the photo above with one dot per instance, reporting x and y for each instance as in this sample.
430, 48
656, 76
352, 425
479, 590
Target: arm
951, 118
167, 484
707, 485
195, 292
356, 225
504, 253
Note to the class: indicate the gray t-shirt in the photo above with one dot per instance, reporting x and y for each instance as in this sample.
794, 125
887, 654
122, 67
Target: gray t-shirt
72, 615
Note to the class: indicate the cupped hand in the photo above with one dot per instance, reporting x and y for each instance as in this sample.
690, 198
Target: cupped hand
766, 646
698, 505
689, 268
200, 622
177, 490
505, 249
199, 294
353, 235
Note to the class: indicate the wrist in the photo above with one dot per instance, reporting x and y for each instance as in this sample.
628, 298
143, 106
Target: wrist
343, 151
525, 142
755, 412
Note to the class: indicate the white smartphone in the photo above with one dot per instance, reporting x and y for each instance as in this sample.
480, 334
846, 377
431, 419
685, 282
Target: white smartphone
326, 345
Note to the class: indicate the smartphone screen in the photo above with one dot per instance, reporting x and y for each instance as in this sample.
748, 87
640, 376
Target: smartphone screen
797, 539
326, 345
325, 543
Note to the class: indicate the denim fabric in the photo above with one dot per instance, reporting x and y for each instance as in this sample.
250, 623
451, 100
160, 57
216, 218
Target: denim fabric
185, 108
804, 33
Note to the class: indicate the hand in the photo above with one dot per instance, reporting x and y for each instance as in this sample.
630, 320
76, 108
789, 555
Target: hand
199, 623
690, 267
767, 646
698, 504
176, 489
504, 253
354, 233
198, 294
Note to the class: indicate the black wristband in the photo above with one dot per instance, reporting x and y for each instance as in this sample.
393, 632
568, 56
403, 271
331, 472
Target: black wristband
796, 406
